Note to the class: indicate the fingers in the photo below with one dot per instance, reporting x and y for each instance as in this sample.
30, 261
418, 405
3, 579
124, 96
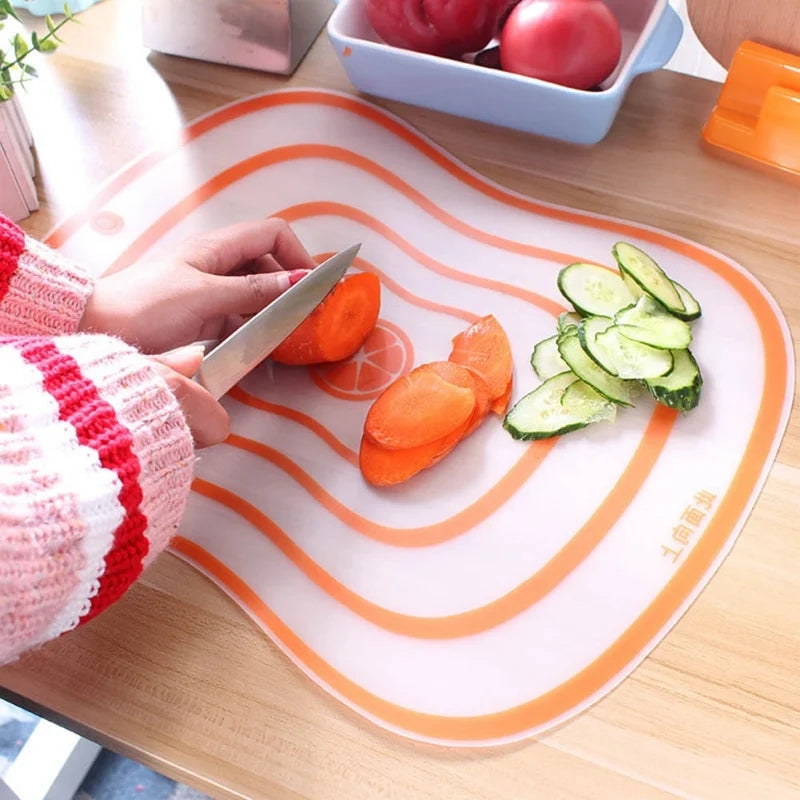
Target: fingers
206, 418
261, 264
245, 294
185, 360
225, 250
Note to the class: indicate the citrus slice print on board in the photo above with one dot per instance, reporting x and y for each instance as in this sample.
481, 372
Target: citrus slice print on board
386, 354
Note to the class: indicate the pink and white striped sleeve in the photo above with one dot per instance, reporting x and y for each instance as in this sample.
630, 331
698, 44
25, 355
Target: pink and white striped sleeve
96, 463
96, 458
40, 290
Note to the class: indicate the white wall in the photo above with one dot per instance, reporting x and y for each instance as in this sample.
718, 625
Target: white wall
691, 57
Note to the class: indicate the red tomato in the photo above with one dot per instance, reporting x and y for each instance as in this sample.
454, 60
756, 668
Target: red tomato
573, 43
439, 27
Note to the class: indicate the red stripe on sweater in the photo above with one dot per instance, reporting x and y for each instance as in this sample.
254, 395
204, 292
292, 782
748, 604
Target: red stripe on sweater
12, 244
97, 426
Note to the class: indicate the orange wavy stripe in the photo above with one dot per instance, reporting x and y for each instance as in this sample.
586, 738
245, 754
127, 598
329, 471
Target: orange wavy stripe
400, 290
424, 535
339, 447
328, 208
344, 156
269, 158
467, 623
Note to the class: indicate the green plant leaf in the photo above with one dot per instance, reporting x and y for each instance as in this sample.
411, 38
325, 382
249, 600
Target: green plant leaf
67, 11
7, 10
29, 70
52, 27
20, 47
35, 41
48, 45
5, 93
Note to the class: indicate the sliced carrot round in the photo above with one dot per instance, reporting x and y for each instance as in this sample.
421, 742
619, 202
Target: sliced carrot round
468, 379
338, 327
484, 347
383, 467
417, 409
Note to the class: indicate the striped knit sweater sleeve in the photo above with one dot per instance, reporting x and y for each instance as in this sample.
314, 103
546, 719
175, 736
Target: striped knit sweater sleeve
96, 458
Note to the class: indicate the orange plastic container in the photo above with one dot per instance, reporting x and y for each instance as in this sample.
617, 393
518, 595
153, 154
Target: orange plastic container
758, 111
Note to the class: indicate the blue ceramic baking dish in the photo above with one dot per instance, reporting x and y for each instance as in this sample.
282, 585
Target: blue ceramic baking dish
651, 31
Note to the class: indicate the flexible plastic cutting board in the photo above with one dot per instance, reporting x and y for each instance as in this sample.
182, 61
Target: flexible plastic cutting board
514, 584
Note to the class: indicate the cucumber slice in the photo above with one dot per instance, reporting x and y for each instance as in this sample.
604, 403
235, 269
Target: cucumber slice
588, 331
614, 389
643, 270
682, 386
649, 323
593, 289
691, 307
633, 360
547, 411
567, 319
546, 360
620, 356
580, 397
633, 287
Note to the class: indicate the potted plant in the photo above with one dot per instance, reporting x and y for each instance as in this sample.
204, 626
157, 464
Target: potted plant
17, 190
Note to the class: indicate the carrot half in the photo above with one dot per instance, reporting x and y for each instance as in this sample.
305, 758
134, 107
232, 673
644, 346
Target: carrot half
484, 348
338, 327
417, 409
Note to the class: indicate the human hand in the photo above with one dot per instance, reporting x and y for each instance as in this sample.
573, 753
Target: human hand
203, 290
206, 418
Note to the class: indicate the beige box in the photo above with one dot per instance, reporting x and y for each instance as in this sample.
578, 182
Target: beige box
267, 35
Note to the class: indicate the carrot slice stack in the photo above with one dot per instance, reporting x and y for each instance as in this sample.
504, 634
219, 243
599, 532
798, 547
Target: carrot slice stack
338, 327
384, 467
420, 418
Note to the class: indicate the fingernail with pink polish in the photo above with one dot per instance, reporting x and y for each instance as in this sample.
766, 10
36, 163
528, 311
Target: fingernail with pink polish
297, 275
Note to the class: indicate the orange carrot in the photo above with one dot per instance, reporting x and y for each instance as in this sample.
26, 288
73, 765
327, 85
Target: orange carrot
500, 405
419, 419
468, 379
484, 348
383, 467
418, 409
337, 328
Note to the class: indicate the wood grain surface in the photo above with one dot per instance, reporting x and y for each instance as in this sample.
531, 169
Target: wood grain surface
722, 25
177, 677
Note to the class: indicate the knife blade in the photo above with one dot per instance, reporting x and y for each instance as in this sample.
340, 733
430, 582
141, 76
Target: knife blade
227, 363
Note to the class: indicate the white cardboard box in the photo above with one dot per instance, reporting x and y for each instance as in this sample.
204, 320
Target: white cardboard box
17, 190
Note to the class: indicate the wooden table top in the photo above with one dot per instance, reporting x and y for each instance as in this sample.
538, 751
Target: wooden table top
177, 677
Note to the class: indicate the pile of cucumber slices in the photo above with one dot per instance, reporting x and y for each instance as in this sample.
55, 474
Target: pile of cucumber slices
629, 332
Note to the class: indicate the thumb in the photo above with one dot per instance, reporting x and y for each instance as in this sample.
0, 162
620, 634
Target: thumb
247, 294
184, 360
